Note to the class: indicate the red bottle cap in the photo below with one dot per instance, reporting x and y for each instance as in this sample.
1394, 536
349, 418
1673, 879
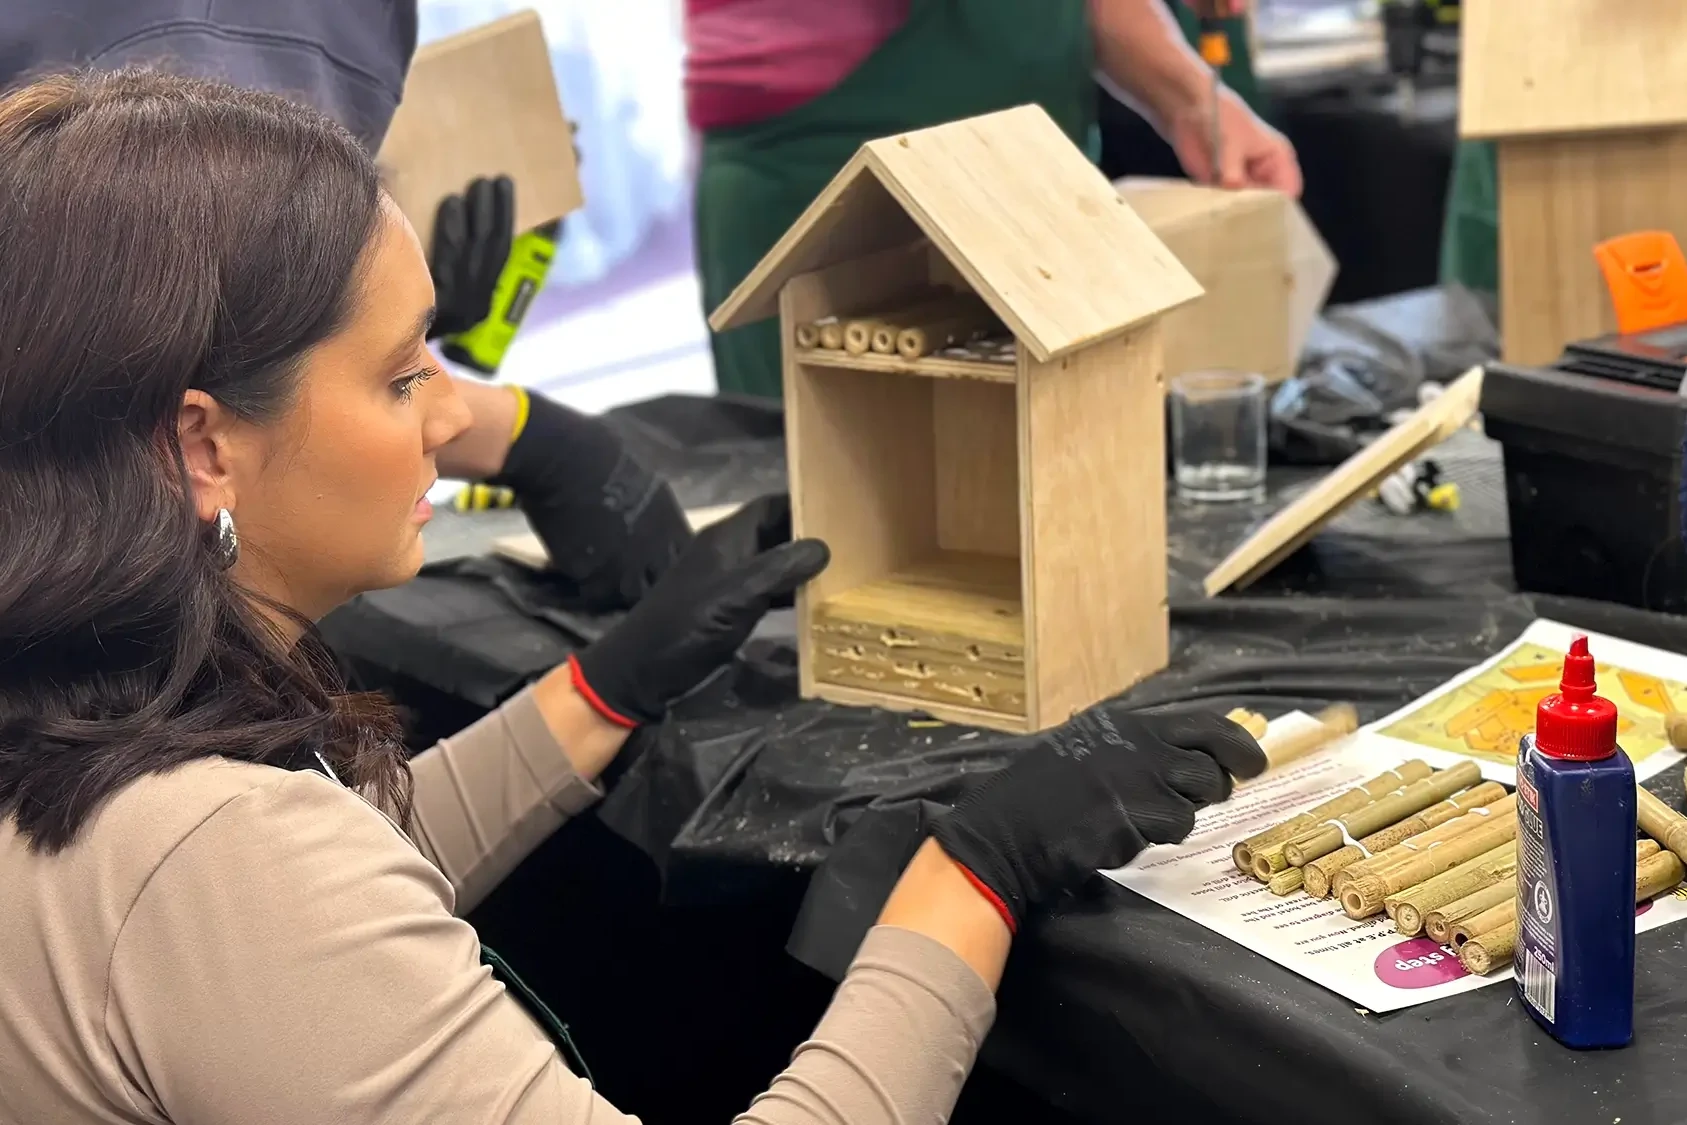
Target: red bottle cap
1576, 724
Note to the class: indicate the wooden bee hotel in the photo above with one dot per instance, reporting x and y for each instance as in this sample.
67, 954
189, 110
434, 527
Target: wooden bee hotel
974, 421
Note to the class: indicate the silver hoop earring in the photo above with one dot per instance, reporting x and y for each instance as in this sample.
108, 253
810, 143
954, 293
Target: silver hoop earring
228, 539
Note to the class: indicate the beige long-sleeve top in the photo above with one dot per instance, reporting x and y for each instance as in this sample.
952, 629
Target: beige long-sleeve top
231, 944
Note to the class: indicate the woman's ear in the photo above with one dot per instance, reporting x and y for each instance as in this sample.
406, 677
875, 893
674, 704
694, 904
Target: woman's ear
202, 428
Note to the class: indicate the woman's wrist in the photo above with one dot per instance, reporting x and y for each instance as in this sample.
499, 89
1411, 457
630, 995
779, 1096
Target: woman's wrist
937, 897
478, 453
589, 740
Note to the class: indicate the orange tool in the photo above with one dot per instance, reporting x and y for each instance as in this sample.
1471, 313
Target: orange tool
1646, 276
1215, 52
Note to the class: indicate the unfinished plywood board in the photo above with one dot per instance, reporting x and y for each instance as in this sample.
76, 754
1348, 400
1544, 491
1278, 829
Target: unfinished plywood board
482, 103
1570, 66
975, 447
1350, 481
527, 550
1263, 267
1021, 214
1092, 460
927, 367
947, 631
1559, 196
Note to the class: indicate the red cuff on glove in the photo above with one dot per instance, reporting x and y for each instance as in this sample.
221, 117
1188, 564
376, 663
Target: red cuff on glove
592, 698
990, 896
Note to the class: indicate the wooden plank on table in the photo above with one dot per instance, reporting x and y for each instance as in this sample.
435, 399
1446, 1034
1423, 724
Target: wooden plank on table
529, 552
1354, 478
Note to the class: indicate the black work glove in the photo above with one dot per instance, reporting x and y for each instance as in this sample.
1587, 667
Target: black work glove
610, 526
472, 236
1089, 795
693, 620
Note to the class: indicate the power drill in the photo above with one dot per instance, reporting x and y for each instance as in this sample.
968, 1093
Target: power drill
484, 346
1415, 31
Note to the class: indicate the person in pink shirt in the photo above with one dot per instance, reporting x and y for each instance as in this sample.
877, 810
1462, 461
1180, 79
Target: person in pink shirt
785, 91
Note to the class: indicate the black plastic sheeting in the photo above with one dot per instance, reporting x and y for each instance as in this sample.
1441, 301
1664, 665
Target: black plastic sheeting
747, 797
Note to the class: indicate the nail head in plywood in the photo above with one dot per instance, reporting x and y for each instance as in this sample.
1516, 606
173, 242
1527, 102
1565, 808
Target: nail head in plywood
1570, 66
482, 102
1297, 523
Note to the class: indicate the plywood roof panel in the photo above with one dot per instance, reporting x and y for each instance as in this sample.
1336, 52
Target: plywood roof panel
1536, 67
1031, 225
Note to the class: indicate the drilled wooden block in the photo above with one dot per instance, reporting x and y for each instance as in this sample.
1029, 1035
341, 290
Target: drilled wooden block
950, 631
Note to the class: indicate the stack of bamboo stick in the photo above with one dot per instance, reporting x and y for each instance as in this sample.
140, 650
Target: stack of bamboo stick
942, 319
1436, 850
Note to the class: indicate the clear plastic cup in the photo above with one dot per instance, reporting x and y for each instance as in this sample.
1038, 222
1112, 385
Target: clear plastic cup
1218, 436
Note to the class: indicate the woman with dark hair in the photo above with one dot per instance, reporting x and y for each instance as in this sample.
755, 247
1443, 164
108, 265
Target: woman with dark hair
227, 896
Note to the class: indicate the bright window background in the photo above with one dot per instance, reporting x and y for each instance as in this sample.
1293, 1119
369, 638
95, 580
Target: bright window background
621, 317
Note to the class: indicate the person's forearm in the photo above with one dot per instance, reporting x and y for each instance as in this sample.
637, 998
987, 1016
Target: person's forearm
935, 898
490, 794
1142, 51
478, 453
590, 741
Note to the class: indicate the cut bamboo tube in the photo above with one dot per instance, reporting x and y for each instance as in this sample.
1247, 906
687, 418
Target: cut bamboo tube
1661, 822
1490, 951
1412, 848
1251, 721
1435, 923
1656, 874
1320, 871
808, 335
831, 335
858, 335
913, 343
1414, 900
1337, 721
1269, 860
1653, 875
1505, 912
1411, 771
1364, 894
1491, 919
1285, 882
967, 319
1675, 729
1379, 814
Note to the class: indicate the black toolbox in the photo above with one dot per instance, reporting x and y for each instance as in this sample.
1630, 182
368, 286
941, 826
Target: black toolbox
1593, 451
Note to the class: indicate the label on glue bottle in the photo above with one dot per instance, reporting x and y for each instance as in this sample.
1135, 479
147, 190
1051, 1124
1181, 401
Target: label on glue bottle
1538, 939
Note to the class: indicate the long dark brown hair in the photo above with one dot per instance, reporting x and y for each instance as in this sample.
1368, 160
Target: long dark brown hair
158, 234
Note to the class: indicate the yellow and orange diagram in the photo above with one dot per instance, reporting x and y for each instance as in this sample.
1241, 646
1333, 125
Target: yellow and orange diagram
1484, 717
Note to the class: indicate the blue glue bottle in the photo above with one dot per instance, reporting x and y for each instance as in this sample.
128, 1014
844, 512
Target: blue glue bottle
1575, 866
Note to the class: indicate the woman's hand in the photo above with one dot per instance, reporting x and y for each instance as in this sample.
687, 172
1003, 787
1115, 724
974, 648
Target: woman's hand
697, 614
1251, 153
1089, 795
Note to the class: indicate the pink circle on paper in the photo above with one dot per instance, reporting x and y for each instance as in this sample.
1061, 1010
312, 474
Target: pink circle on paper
1418, 963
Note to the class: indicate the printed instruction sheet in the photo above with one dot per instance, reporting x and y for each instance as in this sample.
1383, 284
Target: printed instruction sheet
1481, 714
1368, 962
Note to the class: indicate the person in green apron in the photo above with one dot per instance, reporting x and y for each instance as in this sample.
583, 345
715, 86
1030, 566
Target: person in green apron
873, 68
1470, 233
